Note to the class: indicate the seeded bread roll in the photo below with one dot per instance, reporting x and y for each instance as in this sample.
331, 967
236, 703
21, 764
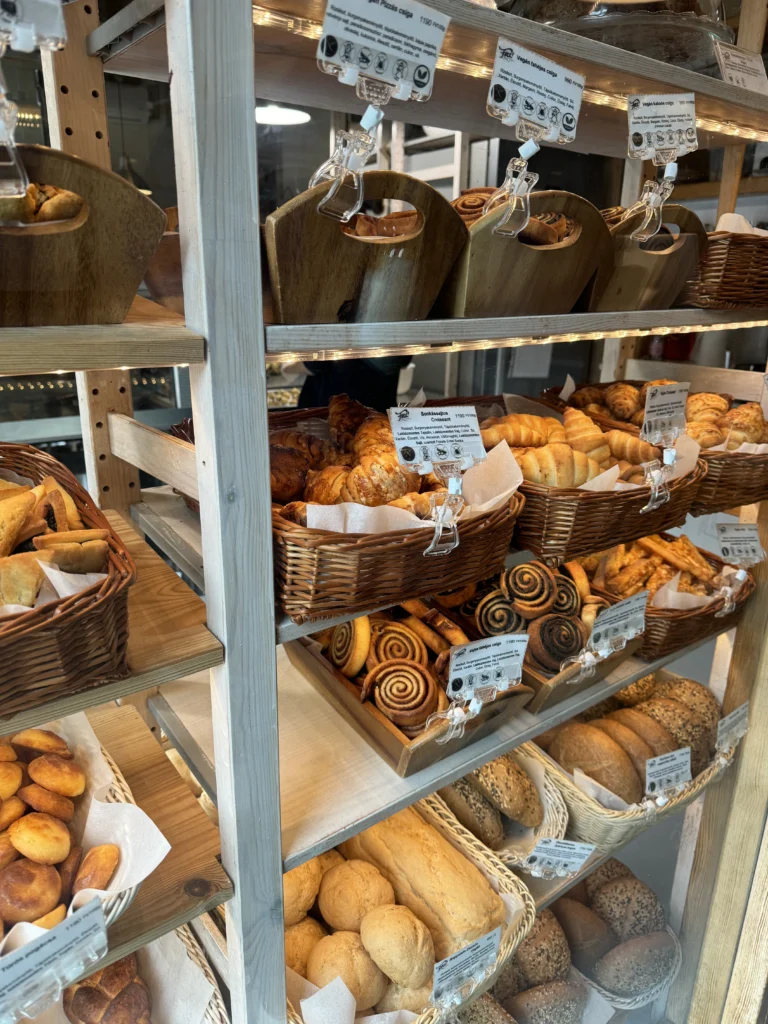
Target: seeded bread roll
697, 698
655, 735
510, 981
349, 891
342, 955
599, 757
510, 789
632, 967
543, 955
635, 748
558, 1002
588, 935
637, 692
687, 729
607, 871
474, 812
629, 907
300, 940
484, 1010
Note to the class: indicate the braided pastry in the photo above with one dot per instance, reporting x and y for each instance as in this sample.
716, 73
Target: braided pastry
530, 588
349, 645
393, 640
495, 616
114, 995
623, 400
553, 638
402, 690
568, 600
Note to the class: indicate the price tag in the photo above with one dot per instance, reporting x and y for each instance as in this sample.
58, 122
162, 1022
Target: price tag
558, 857
536, 89
494, 662
472, 962
619, 623
733, 727
741, 67
664, 412
740, 543
442, 434
662, 124
668, 773
397, 43
31, 977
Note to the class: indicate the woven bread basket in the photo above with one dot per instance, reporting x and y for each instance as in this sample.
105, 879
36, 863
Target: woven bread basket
732, 274
436, 813
216, 1011
643, 998
119, 792
74, 643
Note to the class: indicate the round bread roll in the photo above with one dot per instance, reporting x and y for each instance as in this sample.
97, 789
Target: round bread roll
633, 966
510, 789
656, 736
474, 811
635, 748
329, 860
510, 981
8, 852
7, 753
607, 871
589, 937
597, 755
629, 907
558, 1002
300, 888
399, 944
543, 955
28, 891
697, 698
300, 940
342, 955
349, 891
484, 1010
57, 774
687, 729
637, 692
41, 838
34, 742
43, 800
10, 811
398, 998
10, 778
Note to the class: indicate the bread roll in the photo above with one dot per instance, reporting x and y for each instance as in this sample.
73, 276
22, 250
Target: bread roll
452, 898
558, 1002
56, 916
588, 935
300, 888
635, 693
349, 891
41, 838
484, 1010
300, 940
10, 811
603, 874
629, 907
655, 735
474, 811
633, 966
97, 868
510, 981
43, 800
399, 944
7, 753
28, 891
8, 852
637, 749
34, 742
510, 789
398, 998
696, 697
685, 726
342, 955
329, 860
600, 710
113, 995
543, 955
58, 774
68, 872
10, 778
597, 755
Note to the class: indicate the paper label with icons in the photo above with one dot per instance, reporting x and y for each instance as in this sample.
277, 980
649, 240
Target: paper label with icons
741, 67
558, 858
535, 89
664, 413
494, 663
473, 962
668, 773
619, 623
740, 543
733, 727
440, 434
397, 43
663, 124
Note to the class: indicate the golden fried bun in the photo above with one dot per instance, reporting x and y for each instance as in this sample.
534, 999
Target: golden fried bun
43, 800
7, 753
10, 811
55, 917
97, 868
58, 775
8, 852
41, 838
10, 778
34, 742
28, 891
68, 870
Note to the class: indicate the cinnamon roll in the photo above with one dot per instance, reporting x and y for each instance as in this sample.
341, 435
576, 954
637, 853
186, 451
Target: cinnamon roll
403, 690
391, 641
454, 598
553, 638
531, 589
349, 645
567, 599
495, 616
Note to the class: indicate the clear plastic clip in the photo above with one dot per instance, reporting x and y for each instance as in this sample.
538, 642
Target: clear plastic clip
13, 176
460, 712
344, 168
586, 660
651, 204
729, 591
657, 476
515, 191
446, 509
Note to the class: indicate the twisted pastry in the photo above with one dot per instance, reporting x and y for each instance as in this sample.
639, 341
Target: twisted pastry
531, 589
495, 616
349, 645
402, 690
567, 600
393, 640
553, 638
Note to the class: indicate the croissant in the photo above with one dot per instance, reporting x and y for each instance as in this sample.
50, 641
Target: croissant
584, 435
419, 504
295, 512
638, 418
557, 465
373, 435
318, 452
742, 425
595, 409
115, 993
287, 473
630, 448
653, 384
512, 430
324, 486
555, 430
623, 400
344, 417
582, 397
707, 434
705, 407
376, 480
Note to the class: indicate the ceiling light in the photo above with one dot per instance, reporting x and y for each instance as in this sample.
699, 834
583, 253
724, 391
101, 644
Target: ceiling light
273, 114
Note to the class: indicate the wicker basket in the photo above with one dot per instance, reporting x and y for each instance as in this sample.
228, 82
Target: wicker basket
644, 998
436, 813
732, 274
216, 1011
73, 643
119, 792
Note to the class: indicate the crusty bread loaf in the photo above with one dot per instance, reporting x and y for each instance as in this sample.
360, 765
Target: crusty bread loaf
510, 789
633, 966
342, 955
600, 710
349, 891
636, 748
684, 725
607, 871
629, 907
599, 757
543, 955
635, 693
431, 878
300, 888
484, 1010
300, 940
558, 1002
399, 944
510, 981
588, 935
474, 811
659, 739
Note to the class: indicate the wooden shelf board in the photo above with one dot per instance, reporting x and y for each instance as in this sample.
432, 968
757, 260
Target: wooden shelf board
332, 782
134, 43
753, 186
168, 636
150, 336
190, 880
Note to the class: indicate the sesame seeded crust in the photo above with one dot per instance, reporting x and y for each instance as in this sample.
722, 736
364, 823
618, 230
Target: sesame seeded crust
611, 869
509, 789
687, 729
484, 1010
558, 1002
474, 812
636, 965
697, 698
510, 981
637, 692
544, 956
629, 907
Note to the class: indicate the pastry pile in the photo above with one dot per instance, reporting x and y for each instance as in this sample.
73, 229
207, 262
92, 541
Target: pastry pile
114, 994
42, 524
542, 229
41, 868
39, 204
648, 564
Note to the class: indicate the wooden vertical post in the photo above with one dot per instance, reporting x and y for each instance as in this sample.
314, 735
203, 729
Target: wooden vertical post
210, 53
77, 120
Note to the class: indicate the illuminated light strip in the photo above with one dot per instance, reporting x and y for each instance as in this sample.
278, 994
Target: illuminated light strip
314, 30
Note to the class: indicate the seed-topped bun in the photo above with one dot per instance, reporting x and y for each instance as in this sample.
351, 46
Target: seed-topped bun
696, 697
686, 727
607, 871
510, 789
589, 937
484, 1010
629, 907
474, 811
558, 1002
544, 955
633, 966
637, 692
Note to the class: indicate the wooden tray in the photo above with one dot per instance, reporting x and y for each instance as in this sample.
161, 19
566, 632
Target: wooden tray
499, 276
320, 275
550, 690
405, 755
86, 270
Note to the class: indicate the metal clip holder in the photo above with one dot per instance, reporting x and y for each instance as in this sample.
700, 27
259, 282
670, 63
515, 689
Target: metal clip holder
446, 509
657, 476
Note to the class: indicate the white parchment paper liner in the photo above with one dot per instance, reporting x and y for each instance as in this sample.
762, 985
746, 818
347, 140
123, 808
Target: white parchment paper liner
670, 597
516, 836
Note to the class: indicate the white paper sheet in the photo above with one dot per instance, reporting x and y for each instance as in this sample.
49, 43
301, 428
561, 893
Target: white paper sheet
516, 836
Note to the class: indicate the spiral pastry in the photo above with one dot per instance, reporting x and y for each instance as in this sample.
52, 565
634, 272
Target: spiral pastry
567, 599
393, 641
403, 690
531, 588
495, 616
553, 638
469, 607
349, 645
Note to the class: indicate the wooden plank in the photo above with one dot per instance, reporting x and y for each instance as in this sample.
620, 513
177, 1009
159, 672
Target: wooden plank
166, 457
165, 519
190, 880
754, 186
214, 133
745, 385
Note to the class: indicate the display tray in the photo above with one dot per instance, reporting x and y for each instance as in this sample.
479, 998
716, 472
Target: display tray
406, 756
550, 690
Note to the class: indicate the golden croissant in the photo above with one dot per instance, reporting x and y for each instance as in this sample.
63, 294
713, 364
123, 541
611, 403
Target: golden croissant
651, 384
512, 430
707, 434
584, 435
324, 486
705, 407
630, 448
376, 480
589, 395
623, 400
557, 465
373, 435
345, 415
742, 424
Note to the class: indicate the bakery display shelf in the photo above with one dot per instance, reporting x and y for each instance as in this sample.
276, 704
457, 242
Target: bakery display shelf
150, 336
332, 782
190, 880
167, 639
133, 42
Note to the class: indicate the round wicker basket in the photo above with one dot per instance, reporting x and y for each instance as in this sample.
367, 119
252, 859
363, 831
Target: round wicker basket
650, 994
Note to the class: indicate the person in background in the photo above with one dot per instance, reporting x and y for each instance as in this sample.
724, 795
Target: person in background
371, 381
